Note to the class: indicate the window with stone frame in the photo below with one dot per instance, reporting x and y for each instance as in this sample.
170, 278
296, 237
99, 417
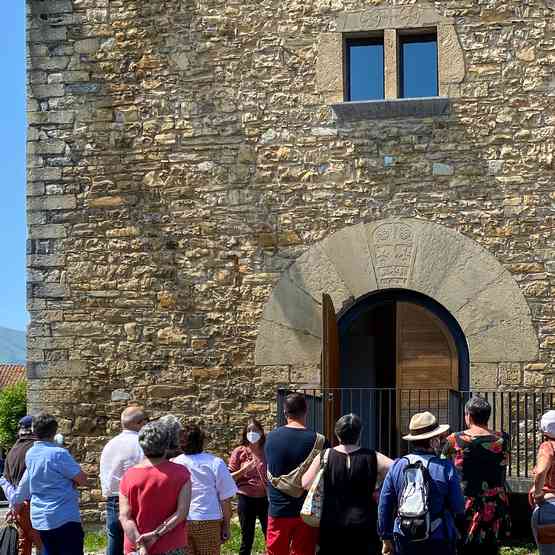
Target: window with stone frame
410, 33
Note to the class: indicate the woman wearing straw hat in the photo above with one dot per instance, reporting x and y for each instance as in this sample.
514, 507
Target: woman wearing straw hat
543, 491
445, 495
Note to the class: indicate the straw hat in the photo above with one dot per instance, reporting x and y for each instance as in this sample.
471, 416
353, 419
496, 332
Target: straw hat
424, 425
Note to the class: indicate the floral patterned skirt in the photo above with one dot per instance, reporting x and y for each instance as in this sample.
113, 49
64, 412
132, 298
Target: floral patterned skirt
487, 517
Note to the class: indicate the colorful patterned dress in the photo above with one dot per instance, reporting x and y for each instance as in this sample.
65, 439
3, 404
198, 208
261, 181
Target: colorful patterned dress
482, 464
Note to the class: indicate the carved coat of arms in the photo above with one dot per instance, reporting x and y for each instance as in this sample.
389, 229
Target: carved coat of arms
394, 249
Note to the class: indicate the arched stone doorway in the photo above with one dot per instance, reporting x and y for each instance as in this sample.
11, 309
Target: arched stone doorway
398, 254
400, 351
410, 254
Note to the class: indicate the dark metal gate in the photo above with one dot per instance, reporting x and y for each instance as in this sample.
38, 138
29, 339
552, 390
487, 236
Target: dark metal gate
386, 413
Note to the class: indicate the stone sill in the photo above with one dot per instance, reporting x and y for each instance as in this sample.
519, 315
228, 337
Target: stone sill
346, 112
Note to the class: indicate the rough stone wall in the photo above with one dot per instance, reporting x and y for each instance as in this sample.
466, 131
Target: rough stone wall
180, 158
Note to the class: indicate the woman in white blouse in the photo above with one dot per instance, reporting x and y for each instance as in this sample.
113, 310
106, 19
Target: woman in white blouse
213, 489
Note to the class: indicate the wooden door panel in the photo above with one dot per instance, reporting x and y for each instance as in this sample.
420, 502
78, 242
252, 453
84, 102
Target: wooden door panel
427, 364
426, 353
331, 379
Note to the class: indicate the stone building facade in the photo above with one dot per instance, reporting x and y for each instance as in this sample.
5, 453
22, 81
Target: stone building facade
196, 182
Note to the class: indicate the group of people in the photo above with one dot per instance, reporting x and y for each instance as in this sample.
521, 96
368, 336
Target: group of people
166, 495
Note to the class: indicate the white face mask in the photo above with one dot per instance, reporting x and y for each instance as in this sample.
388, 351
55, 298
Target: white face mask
253, 437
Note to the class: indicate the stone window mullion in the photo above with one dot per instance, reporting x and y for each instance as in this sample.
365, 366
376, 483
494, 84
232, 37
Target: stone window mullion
391, 63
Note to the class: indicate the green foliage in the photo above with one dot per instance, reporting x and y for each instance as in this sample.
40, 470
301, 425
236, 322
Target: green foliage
95, 542
13, 407
232, 546
519, 548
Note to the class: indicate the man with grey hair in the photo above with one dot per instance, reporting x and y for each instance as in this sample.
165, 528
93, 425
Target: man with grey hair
120, 453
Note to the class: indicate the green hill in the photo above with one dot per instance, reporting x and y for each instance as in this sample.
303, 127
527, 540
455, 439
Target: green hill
12, 345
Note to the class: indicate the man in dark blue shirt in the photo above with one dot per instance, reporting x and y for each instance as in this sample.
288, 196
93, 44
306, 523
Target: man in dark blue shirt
446, 500
288, 450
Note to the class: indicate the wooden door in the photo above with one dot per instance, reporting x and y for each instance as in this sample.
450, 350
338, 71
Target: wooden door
427, 364
330, 366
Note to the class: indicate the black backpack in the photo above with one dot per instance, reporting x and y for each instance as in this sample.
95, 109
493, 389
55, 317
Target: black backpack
8, 540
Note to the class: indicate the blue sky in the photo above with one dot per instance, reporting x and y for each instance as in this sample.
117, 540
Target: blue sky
12, 161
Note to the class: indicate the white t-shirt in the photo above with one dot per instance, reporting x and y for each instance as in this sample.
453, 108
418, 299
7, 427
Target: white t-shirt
210, 481
118, 456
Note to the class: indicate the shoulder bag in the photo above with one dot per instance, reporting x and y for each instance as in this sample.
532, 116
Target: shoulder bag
311, 512
290, 484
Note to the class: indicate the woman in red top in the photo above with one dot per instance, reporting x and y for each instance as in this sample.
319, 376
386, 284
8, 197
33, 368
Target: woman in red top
154, 498
247, 465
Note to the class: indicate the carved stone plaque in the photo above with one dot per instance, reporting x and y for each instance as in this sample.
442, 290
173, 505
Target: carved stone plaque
393, 248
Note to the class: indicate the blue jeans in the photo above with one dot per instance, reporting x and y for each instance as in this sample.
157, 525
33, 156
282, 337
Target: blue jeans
544, 514
113, 527
65, 540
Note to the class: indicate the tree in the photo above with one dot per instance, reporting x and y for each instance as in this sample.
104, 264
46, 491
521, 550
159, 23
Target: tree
13, 407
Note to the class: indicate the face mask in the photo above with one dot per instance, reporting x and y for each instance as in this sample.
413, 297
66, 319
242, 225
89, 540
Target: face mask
253, 437
59, 439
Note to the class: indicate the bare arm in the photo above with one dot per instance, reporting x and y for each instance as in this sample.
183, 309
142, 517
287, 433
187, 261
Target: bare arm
227, 512
127, 523
383, 466
542, 468
310, 475
180, 515
238, 473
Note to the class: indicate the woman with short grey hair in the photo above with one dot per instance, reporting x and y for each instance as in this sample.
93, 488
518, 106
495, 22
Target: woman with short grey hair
154, 498
174, 428
154, 439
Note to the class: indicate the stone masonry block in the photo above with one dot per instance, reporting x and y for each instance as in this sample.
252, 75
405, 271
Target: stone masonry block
484, 377
51, 146
46, 91
49, 231
45, 261
52, 202
51, 7
44, 174
46, 33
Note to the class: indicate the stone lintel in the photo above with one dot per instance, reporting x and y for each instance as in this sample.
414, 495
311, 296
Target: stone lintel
346, 112
392, 17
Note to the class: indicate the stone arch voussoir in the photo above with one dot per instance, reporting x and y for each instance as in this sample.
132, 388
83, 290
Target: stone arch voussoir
398, 253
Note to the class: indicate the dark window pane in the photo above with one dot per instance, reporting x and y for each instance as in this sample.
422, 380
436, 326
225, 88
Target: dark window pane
418, 66
366, 73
